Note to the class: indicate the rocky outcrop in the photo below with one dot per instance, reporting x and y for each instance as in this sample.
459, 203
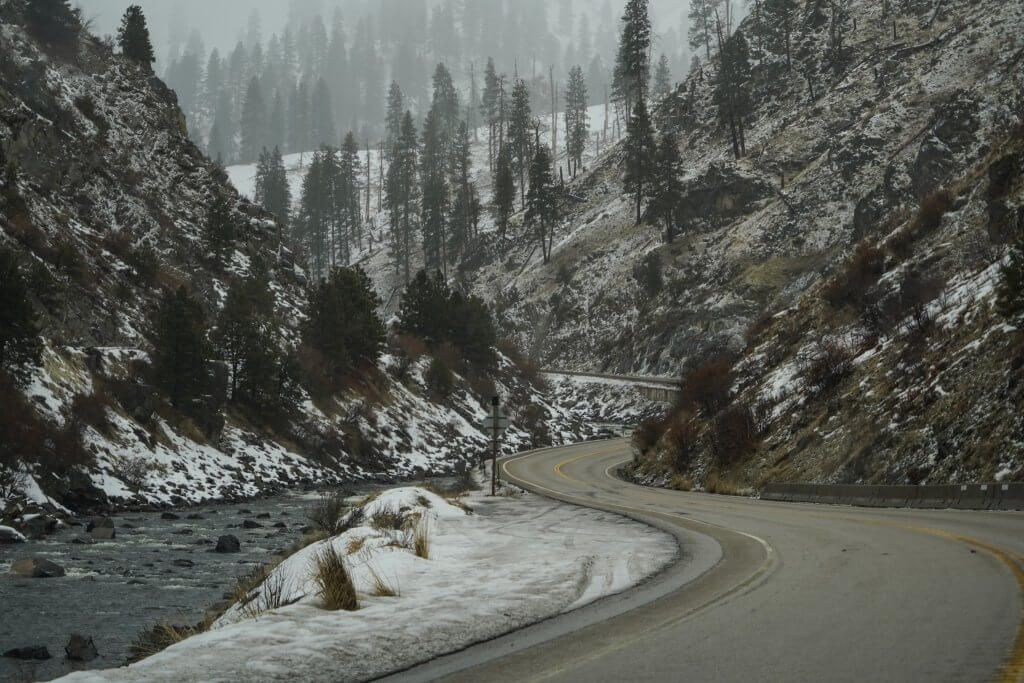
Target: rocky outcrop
36, 568
228, 544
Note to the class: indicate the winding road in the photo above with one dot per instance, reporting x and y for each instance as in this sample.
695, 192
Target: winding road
772, 592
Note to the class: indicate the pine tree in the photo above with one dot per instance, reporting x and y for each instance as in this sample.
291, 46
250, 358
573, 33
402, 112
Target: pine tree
277, 126
19, 335
52, 20
221, 144
272, 189
780, 17
732, 89
181, 353
254, 122
662, 79
542, 201
465, 213
219, 229
299, 120
133, 37
393, 119
701, 27
668, 185
520, 132
322, 115
640, 151
342, 324
489, 102
1010, 290
504, 189
632, 65
347, 196
402, 195
576, 118
434, 204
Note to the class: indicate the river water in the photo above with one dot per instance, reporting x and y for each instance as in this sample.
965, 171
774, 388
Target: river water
155, 570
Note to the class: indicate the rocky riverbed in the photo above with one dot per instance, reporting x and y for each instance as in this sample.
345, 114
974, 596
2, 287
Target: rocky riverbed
158, 567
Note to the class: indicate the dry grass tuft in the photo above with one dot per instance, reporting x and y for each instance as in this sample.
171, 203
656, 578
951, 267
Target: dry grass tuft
355, 545
381, 587
333, 581
160, 637
725, 487
421, 540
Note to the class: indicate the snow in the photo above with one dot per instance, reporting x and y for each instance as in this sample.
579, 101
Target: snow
10, 535
513, 560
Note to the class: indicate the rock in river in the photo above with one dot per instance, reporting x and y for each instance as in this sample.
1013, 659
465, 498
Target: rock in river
31, 652
80, 649
9, 535
228, 544
36, 568
102, 529
169, 516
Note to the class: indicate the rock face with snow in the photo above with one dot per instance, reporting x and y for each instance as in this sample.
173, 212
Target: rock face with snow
112, 202
10, 536
912, 143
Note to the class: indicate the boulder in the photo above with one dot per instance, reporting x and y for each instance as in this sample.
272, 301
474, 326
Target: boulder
84, 539
169, 516
9, 535
280, 525
228, 544
31, 652
36, 568
184, 563
38, 526
102, 529
194, 516
250, 524
80, 649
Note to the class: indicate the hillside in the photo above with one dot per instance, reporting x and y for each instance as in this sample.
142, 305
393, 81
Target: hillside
910, 141
104, 203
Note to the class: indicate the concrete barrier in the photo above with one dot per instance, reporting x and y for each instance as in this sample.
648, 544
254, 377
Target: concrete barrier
955, 496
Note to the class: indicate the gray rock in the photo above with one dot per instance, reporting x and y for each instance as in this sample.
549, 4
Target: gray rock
39, 526
102, 529
249, 524
9, 536
84, 539
228, 544
36, 568
169, 516
80, 649
184, 563
31, 652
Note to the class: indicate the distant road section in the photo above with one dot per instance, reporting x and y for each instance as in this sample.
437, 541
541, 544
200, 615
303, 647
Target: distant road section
775, 592
660, 389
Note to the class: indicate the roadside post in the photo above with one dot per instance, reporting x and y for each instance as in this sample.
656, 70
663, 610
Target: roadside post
496, 423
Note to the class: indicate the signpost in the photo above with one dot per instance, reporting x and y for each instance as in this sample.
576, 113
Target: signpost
496, 423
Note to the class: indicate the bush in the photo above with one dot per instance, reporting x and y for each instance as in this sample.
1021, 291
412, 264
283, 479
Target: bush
683, 439
647, 434
734, 434
534, 419
709, 385
91, 409
421, 540
860, 274
648, 275
19, 335
439, 378
830, 364
326, 515
928, 218
133, 470
333, 581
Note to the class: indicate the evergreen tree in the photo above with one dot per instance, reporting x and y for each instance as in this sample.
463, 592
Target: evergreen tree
732, 89
668, 185
434, 203
542, 201
504, 189
520, 131
701, 25
322, 115
640, 150
52, 20
349, 207
276, 126
402, 195
393, 119
317, 211
299, 120
221, 145
489, 103
662, 79
241, 333
19, 336
632, 65
181, 353
780, 17
342, 324
219, 230
465, 214
133, 37
576, 118
272, 189
1010, 290
254, 122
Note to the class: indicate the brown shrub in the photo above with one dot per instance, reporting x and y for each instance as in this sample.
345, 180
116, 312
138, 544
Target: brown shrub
709, 385
91, 409
683, 439
830, 364
734, 434
856, 280
648, 433
932, 209
333, 581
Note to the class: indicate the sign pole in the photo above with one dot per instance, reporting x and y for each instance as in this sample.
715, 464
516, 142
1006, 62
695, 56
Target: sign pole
494, 445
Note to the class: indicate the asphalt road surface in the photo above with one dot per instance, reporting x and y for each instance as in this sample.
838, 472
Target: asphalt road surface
772, 592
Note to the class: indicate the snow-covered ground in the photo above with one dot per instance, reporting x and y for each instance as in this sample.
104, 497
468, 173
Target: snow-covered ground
510, 561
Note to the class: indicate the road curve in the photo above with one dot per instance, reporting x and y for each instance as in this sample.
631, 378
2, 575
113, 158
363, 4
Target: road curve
773, 592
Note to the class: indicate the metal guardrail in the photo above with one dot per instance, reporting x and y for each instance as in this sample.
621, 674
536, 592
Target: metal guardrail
996, 496
666, 382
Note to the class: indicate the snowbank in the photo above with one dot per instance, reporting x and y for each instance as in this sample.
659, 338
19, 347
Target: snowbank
496, 564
